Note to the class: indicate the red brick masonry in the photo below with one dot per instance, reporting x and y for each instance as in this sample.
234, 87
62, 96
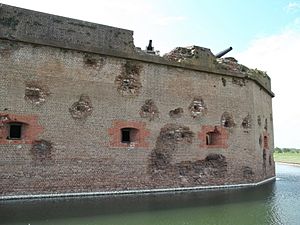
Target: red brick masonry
30, 129
140, 137
220, 139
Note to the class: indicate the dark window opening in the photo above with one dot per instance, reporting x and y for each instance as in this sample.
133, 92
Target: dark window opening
15, 131
128, 135
213, 138
266, 142
208, 139
125, 135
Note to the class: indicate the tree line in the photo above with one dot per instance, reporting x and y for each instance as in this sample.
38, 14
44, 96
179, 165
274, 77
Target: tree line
284, 150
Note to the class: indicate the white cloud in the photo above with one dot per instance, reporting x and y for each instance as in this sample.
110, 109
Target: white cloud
279, 56
293, 6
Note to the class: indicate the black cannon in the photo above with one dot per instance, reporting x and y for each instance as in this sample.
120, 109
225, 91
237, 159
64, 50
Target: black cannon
224, 52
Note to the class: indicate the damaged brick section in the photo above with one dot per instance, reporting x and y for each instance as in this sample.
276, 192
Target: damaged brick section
197, 107
248, 173
149, 110
82, 108
227, 120
163, 171
176, 113
41, 150
128, 82
93, 61
224, 81
191, 54
197, 172
170, 135
232, 65
247, 122
259, 120
239, 81
36, 93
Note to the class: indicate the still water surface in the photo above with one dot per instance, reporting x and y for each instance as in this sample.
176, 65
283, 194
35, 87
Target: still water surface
274, 203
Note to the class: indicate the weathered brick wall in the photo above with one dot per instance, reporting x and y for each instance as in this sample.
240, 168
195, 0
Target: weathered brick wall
190, 127
84, 155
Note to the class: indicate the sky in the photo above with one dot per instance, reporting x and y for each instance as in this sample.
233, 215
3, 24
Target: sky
264, 34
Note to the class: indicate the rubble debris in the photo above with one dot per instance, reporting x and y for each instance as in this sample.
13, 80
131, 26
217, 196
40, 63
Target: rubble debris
248, 173
232, 65
194, 172
188, 54
149, 110
176, 133
128, 81
259, 120
227, 120
36, 93
197, 108
82, 108
176, 113
170, 135
214, 165
224, 81
246, 124
239, 81
41, 149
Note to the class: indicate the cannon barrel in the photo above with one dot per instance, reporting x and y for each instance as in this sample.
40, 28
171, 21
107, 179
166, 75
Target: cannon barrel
224, 52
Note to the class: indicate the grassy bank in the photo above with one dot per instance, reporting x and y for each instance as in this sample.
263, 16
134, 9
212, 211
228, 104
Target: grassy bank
287, 157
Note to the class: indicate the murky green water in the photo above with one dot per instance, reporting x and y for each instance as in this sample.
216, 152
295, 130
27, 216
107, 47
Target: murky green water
273, 203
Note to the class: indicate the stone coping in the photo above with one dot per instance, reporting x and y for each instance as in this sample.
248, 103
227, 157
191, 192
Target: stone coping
137, 191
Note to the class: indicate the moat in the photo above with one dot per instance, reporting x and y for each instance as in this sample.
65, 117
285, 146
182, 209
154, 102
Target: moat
272, 203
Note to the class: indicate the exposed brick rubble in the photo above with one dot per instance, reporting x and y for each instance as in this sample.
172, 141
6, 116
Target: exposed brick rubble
197, 107
128, 82
176, 113
247, 122
170, 135
36, 93
231, 64
82, 108
239, 81
197, 172
188, 54
227, 120
248, 173
149, 110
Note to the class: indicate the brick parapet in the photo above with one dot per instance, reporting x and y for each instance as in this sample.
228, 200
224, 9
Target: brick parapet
28, 26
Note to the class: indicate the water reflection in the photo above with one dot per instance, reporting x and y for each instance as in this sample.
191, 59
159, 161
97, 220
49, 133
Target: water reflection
273, 203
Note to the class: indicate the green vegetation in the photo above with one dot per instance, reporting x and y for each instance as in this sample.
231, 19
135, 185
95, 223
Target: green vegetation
287, 155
